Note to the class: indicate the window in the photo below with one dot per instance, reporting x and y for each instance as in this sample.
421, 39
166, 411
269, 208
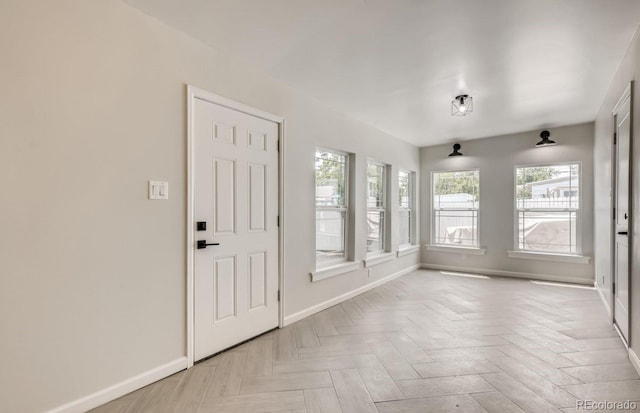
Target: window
548, 208
376, 206
455, 208
331, 207
405, 207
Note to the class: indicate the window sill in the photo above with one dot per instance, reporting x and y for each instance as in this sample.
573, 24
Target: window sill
456, 250
409, 249
541, 256
378, 259
332, 271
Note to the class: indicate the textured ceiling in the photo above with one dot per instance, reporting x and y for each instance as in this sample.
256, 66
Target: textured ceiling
396, 64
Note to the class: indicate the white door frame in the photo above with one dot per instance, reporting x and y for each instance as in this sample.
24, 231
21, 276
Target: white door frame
196, 93
627, 94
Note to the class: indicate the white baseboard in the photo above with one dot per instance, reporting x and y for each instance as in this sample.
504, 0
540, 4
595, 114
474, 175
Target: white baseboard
604, 301
337, 300
634, 360
531, 276
120, 389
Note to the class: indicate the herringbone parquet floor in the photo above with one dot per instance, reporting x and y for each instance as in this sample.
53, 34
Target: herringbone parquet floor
426, 342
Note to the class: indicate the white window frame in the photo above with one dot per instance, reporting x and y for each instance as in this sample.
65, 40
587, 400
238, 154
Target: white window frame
434, 244
384, 209
411, 206
520, 252
344, 209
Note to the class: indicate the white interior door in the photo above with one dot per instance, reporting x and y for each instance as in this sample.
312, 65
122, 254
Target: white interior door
621, 217
236, 195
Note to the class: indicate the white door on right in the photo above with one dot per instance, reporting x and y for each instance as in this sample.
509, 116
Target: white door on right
622, 118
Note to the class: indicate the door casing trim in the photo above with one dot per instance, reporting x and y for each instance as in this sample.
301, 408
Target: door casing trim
626, 95
197, 93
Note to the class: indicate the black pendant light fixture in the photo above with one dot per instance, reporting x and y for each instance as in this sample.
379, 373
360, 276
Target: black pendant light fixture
456, 148
545, 139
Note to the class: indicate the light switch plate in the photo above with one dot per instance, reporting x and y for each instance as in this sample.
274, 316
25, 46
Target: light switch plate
158, 190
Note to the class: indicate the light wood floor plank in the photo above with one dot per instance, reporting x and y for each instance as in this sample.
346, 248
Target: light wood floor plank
352, 393
496, 402
410, 350
314, 364
379, 383
284, 345
525, 398
323, 325
454, 368
541, 386
444, 404
305, 334
590, 358
612, 391
552, 374
444, 386
227, 375
256, 403
603, 373
322, 401
395, 363
191, 389
259, 358
292, 381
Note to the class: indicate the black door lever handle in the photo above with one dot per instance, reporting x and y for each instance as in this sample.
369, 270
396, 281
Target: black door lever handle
623, 233
203, 244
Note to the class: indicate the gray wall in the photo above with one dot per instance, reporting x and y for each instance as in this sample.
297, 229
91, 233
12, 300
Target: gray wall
496, 158
629, 70
93, 105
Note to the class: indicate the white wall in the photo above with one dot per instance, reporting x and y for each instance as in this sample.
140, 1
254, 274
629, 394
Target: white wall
629, 70
332, 132
496, 158
92, 105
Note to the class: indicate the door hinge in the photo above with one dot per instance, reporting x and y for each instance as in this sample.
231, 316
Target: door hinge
615, 138
614, 213
278, 220
613, 289
278, 144
278, 295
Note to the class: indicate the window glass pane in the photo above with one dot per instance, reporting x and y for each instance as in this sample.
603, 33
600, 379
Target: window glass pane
375, 228
456, 227
330, 230
331, 207
404, 226
375, 186
405, 202
547, 231
455, 208
458, 189
331, 169
548, 200
403, 190
549, 187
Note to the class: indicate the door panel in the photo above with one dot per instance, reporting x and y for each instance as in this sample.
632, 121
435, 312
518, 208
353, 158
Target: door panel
236, 193
257, 198
224, 193
621, 224
224, 292
258, 278
257, 140
224, 133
